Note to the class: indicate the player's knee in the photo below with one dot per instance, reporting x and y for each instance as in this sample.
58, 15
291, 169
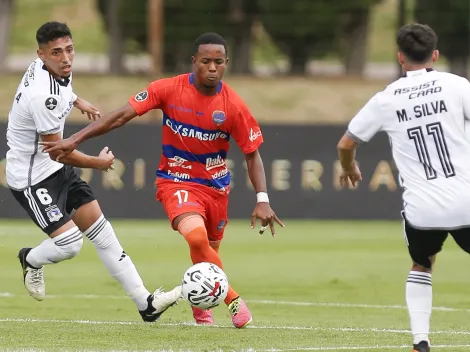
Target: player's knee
69, 243
421, 268
189, 222
72, 249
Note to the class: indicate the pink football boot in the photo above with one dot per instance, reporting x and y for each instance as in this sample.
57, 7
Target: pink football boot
240, 313
202, 317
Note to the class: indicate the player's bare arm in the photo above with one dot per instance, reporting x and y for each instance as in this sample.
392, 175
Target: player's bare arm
108, 122
104, 161
347, 157
87, 108
262, 209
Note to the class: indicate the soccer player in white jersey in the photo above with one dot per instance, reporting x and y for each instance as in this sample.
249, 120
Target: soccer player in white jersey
52, 193
425, 114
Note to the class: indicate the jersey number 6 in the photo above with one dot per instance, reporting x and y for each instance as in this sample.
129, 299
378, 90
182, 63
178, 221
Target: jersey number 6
43, 196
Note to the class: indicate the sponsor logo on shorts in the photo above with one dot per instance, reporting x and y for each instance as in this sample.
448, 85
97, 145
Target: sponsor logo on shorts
221, 225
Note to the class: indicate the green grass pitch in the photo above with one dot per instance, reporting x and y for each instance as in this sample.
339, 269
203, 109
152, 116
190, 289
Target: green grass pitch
335, 286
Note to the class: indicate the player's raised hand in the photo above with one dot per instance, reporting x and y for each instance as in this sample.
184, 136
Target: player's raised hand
106, 159
352, 175
87, 108
267, 216
64, 146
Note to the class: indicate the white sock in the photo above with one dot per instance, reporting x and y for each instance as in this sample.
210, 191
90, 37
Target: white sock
419, 301
53, 250
118, 263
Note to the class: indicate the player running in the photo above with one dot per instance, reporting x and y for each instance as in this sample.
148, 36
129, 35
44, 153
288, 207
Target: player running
52, 193
200, 114
425, 114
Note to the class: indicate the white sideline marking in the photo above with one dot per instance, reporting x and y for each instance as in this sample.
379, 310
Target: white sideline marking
255, 301
262, 327
350, 348
326, 348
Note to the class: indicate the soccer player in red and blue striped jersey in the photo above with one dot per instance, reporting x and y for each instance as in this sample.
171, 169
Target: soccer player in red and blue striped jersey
200, 115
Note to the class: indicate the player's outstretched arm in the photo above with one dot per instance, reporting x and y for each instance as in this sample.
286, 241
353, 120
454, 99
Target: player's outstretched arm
347, 157
262, 209
104, 161
108, 122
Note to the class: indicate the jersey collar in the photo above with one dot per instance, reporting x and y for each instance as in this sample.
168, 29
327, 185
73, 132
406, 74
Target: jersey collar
415, 73
191, 81
62, 82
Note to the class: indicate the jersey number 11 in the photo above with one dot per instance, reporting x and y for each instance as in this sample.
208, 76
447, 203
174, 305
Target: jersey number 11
434, 130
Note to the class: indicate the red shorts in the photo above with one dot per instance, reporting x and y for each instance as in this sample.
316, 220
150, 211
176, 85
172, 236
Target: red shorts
179, 198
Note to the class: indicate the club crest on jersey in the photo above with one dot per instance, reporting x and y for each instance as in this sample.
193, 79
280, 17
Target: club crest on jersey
54, 214
218, 117
141, 96
51, 103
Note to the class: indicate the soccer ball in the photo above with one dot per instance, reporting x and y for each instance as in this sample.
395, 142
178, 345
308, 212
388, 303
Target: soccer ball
205, 285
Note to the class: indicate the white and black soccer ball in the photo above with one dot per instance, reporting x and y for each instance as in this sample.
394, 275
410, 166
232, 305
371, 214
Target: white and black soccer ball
205, 285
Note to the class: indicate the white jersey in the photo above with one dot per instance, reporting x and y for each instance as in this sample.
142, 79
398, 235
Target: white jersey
40, 107
426, 115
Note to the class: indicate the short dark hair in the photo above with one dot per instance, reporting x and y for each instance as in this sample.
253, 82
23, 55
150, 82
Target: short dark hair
417, 42
210, 38
51, 31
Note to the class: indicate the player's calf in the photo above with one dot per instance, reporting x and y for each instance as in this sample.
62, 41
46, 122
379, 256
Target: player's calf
118, 263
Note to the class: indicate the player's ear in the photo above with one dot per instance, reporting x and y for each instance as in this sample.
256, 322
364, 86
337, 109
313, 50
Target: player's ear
193, 60
40, 54
401, 58
226, 61
435, 55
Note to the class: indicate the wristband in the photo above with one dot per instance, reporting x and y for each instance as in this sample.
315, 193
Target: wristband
262, 197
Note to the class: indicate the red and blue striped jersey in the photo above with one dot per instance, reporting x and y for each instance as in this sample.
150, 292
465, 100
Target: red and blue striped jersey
197, 129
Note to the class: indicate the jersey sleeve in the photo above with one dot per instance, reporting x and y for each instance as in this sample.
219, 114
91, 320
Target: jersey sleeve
244, 128
367, 122
45, 112
150, 98
465, 90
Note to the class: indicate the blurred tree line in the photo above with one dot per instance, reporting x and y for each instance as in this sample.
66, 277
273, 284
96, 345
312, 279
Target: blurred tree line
300, 29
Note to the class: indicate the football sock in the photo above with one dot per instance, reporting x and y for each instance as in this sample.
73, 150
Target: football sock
419, 302
118, 263
194, 231
53, 250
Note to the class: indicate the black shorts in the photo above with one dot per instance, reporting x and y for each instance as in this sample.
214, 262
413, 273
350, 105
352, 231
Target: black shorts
423, 244
51, 202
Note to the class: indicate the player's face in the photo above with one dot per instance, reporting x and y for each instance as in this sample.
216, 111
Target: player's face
58, 56
209, 64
